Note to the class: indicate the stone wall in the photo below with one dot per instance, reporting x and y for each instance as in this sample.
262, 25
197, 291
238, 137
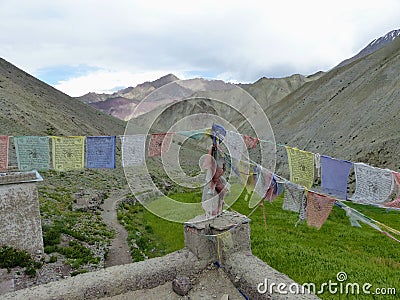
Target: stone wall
20, 223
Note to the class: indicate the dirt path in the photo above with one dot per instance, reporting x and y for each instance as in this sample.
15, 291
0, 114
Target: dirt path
119, 252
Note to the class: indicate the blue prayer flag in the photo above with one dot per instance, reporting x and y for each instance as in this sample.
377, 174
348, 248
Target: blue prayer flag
100, 152
334, 176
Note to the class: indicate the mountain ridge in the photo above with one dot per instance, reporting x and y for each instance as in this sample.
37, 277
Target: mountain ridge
30, 106
373, 46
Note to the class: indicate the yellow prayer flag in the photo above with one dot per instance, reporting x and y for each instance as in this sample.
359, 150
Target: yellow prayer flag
68, 153
301, 165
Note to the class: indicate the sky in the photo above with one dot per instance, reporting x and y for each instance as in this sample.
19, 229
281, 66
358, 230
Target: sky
81, 46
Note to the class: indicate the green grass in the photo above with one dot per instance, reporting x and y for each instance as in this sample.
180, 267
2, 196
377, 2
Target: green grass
304, 253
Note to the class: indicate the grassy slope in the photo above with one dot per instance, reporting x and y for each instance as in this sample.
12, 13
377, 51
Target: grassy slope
306, 254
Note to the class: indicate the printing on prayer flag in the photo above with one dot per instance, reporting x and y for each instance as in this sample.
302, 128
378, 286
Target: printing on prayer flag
33, 152
133, 150
373, 185
68, 153
301, 165
100, 152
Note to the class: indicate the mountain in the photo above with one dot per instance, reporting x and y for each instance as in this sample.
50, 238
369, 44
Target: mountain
122, 103
376, 44
268, 91
351, 112
30, 106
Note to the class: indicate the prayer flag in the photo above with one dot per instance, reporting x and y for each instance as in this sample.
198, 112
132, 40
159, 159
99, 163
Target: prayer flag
250, 142
100, 152
33, 152
234, 143
3, 153
395, 203
318, 209
262, 179
68, 153
334, 176
373, 185
301, 165
293, 198
159, 143
133, 150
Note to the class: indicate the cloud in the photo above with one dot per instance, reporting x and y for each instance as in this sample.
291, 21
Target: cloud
239, 40
106, 81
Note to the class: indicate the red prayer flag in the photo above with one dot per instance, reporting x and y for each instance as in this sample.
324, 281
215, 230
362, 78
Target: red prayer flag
318, 209
395, 203
159, 143
3, 153
250, 142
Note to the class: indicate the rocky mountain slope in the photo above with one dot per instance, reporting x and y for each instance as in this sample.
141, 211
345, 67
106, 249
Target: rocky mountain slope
376, 44
29, 106
268, 91
352, 112
122, 103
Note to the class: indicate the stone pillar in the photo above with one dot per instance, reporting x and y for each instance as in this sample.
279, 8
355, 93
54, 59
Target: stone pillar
20, 223
214, 239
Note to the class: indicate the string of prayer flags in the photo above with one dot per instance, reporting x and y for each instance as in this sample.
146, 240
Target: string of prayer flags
373, 185
33, 152
301, 165
396, 202
318, 209
234, 143
159, 143
3, 153
250, 142
133, 150
293, 197
196, 134
68, 153
100, 152
334, 176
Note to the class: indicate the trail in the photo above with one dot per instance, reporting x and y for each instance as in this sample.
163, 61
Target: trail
119, 252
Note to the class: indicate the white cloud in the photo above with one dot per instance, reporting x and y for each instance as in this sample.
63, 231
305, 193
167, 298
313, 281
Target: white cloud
242, 40
103, 81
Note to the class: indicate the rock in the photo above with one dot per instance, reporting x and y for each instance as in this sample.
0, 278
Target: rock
181, 285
